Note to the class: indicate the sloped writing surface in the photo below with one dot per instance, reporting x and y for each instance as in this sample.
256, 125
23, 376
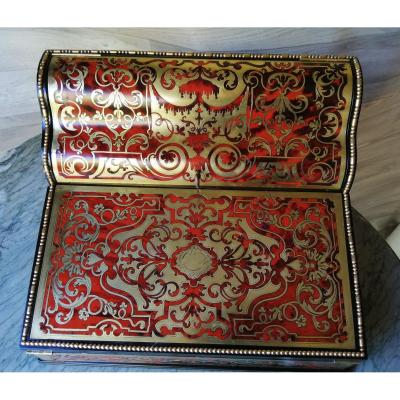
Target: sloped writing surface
156, 266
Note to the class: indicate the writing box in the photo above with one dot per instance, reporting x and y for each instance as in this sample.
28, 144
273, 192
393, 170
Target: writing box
198, 210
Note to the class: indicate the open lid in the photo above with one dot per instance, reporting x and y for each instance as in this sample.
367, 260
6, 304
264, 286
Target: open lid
210, 120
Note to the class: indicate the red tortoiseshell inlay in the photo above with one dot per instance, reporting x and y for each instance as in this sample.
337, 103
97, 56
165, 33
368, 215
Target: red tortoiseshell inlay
195, 267
163, 120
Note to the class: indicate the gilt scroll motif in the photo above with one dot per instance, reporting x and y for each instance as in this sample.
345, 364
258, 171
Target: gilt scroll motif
207, 268
228, 122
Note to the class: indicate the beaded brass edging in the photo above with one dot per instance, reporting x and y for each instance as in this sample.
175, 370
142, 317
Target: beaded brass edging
346, 200
353, 126
37, 264
45, 116
180, 349
353, 262
195, 350
198, 54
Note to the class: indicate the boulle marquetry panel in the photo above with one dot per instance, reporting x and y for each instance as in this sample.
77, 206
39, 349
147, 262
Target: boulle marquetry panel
198, 204
137, 120
152, 265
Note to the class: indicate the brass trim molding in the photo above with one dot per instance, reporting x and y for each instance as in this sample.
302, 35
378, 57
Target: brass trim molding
45, 116
353, 126
37, 263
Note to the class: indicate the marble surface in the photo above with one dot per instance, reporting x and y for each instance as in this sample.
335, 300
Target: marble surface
22, 193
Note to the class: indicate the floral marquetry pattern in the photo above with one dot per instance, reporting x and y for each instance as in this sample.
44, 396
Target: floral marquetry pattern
194, 121
195, 267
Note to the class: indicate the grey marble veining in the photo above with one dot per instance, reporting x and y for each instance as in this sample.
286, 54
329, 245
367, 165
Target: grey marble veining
22, 192
379, 270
